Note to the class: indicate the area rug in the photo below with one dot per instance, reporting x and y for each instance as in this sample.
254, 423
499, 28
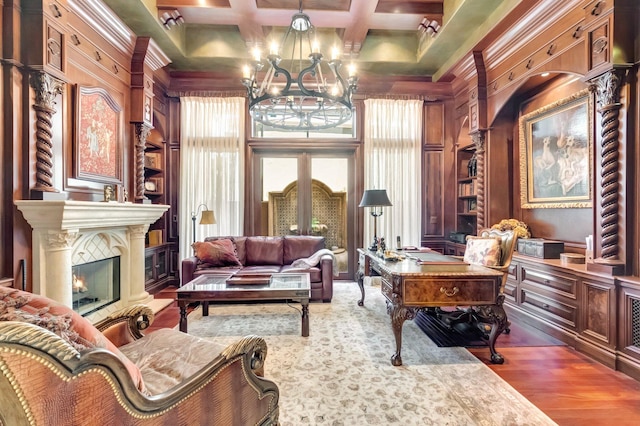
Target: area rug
342, 375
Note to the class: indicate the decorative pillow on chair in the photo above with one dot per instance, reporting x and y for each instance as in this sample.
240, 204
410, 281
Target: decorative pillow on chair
217, 253
483, 251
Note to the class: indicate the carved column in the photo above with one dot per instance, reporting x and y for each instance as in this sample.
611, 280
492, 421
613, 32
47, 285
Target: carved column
46, 88
55, 278
607, 87
478, 139
137, 292
142, 133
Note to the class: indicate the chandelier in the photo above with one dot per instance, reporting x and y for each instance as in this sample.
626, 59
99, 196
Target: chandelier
308, 101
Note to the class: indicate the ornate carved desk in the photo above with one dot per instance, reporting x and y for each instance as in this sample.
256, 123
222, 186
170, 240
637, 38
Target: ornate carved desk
440, 281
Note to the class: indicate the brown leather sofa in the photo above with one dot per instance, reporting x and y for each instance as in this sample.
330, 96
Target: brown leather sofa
59, 369
264, 255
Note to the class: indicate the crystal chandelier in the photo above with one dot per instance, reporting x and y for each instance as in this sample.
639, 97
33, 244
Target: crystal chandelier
308, 101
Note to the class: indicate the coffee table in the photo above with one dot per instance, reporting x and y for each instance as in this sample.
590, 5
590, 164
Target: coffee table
245, 288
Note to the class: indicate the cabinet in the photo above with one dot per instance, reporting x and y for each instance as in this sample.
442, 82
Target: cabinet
466, 204
156, 267
454, 249
567, 302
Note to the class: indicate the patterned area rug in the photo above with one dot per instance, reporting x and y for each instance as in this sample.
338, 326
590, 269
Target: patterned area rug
342, 375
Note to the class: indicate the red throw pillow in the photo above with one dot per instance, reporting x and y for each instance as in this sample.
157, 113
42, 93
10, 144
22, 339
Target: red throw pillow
217, 253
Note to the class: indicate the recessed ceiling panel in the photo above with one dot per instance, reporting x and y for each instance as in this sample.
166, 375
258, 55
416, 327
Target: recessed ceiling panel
341, 5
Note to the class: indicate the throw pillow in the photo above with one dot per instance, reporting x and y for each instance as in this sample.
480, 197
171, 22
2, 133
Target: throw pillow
483, 251
18, 305
216, 253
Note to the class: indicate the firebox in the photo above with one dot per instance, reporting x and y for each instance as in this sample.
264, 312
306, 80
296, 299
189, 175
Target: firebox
95, 284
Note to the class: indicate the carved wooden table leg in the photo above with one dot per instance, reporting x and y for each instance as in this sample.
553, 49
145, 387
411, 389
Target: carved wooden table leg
495, 315
360, 280
183, 316
399, 315
305, 318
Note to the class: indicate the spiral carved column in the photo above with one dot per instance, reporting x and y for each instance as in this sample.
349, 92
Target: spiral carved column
46, 89
142, 132
478, 140
607, 87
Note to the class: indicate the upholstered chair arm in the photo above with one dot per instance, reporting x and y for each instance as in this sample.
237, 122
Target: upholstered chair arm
188, 266
326, 267
127, 324
94, 385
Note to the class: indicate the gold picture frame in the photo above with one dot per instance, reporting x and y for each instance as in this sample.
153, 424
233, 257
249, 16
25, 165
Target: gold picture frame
556, 154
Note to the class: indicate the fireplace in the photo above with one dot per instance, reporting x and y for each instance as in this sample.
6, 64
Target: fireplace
95, 285
69, 234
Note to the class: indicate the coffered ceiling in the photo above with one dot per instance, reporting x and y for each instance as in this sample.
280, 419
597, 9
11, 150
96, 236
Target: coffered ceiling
380, 37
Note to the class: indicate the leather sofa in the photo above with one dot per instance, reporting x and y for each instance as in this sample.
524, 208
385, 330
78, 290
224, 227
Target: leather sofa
59, 369
264, 255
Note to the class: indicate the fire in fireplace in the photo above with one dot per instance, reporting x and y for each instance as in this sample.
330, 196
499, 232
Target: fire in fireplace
95, 284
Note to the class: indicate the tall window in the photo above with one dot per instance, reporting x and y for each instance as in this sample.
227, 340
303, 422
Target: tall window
392, 161
211, 166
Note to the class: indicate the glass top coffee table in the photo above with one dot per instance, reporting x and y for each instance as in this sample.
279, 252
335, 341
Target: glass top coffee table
239, 288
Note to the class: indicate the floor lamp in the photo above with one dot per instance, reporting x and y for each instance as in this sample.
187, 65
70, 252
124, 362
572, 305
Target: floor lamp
207, 218
375, 198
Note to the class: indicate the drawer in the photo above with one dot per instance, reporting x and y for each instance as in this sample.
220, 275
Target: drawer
559, 311
449, 292
511, 291
550, 281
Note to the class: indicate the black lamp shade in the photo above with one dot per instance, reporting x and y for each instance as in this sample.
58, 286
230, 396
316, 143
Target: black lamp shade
375, 198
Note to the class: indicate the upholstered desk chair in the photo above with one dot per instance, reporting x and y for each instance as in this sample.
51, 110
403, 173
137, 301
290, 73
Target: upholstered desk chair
507, 247
493, 249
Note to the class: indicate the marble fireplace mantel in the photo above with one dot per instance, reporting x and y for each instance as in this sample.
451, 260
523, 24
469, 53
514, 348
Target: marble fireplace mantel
59, 225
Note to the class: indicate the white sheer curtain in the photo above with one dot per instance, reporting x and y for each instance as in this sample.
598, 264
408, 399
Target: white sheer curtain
211, 167
392, 161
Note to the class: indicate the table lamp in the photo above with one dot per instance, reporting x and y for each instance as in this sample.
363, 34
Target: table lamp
375, 198
207, 218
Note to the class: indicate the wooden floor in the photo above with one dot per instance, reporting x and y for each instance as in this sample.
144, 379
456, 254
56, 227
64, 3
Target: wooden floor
569, 387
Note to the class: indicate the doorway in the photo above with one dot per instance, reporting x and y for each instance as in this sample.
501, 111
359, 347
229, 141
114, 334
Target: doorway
306, 193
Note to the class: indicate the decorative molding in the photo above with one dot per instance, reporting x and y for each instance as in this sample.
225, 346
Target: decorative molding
156, 58
61, 240
521, 34
106, 23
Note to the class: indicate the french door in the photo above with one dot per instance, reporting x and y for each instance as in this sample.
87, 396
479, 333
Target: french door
306, 193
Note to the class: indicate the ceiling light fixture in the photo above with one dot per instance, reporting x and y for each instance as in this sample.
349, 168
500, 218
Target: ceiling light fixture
429, 27
308, 101
171, 18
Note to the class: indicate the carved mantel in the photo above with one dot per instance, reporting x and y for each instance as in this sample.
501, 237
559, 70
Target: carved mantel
58, 225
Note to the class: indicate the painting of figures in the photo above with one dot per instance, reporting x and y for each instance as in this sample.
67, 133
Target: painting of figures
97, 147
556, 154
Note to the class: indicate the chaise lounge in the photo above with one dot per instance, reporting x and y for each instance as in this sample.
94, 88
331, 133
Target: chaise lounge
59, 369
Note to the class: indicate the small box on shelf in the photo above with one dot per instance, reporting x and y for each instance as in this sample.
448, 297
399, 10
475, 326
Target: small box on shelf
152, 160
155, 237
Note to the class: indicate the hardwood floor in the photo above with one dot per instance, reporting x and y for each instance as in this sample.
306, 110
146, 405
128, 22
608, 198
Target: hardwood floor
569, 387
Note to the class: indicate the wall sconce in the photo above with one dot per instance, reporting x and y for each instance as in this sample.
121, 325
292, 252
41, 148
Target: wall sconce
171, 18
207, 218
428, 27
375, 198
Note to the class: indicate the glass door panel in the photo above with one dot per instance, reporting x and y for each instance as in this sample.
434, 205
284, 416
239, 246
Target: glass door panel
305, 193
279, 201
329, 182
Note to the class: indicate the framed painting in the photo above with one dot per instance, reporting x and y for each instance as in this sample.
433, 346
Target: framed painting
97, 144
556, 154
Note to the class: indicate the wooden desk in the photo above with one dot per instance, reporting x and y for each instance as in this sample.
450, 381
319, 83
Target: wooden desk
443, 281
